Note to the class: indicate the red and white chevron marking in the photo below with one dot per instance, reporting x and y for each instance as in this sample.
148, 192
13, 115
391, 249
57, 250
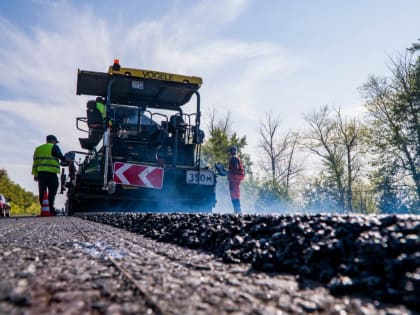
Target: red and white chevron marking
138, 175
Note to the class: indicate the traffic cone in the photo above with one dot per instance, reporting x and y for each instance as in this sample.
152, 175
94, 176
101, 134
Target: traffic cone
45, 208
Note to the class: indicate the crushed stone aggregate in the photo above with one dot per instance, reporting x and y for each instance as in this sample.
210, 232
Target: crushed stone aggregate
67, 265
377, 256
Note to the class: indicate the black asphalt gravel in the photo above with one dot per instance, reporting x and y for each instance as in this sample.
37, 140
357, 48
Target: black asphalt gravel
373, 256
66, 265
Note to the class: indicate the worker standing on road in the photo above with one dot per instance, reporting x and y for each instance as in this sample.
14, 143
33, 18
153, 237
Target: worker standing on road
45, 168
236, 175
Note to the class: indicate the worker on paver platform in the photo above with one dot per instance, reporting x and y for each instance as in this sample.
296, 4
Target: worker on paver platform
236, 175
101, 107
45, 168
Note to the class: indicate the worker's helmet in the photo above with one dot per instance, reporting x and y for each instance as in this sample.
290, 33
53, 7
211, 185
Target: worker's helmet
233, 149
100, 100
51, 138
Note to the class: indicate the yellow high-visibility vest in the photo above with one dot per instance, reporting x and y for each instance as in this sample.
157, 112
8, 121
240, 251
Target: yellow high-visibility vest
102, 108
44, 161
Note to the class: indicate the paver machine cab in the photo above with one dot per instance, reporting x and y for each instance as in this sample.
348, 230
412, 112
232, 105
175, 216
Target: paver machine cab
142, 152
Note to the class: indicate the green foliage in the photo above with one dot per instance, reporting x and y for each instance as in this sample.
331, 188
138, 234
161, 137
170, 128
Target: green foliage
394, 107
216, 148
320, 195
333, 139
22, 202
392, 197
390, 201
272, 195
364, 198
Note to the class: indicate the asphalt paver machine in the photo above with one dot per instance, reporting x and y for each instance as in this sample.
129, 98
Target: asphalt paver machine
142, 152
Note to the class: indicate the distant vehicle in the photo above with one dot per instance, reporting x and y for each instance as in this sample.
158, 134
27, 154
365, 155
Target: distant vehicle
4, 206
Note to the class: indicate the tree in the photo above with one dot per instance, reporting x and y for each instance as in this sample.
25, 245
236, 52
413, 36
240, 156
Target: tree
319, 195
336, 139
350, 132
394, 113
22, 202
322, 140
364, 200
278, 154
216, 147
272, 197
391, 199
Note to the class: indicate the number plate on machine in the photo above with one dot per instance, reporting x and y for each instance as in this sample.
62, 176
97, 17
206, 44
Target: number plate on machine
200, 177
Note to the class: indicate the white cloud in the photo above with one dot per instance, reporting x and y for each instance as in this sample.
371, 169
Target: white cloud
41, 66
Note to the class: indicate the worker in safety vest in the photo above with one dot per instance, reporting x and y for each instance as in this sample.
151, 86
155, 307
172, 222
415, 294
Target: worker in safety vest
100, 105
236, 175
45, 168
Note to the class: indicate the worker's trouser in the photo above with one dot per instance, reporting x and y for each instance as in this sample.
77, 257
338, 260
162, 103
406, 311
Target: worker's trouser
236, 203
47, 180
235, 192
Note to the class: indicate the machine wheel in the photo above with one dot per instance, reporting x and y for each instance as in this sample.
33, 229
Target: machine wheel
71, 205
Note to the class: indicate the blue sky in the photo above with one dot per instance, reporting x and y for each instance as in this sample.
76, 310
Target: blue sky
287, 57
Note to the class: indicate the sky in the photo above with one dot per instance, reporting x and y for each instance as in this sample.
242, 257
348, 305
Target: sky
283, 57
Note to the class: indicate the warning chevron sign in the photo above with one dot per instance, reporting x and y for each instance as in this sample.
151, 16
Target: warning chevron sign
138, 175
